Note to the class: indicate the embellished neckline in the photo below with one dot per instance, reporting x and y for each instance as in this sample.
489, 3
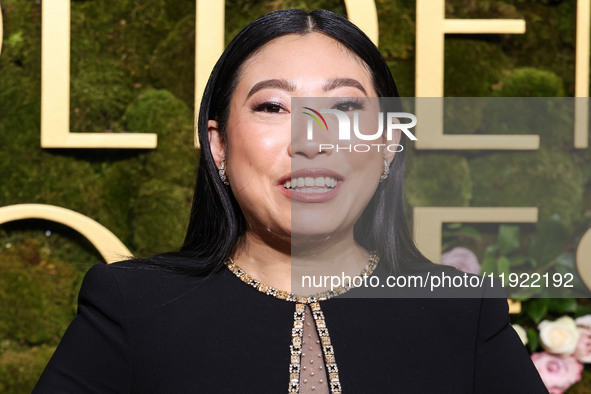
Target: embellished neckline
287, 296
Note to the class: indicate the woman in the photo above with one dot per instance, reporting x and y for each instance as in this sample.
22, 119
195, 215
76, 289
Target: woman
225, 314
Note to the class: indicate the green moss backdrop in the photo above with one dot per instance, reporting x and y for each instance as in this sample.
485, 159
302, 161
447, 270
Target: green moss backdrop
132, 68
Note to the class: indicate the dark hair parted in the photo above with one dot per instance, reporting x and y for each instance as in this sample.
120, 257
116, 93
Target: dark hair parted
217, 224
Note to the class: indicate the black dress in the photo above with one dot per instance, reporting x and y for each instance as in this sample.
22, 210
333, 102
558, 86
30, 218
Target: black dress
143, 329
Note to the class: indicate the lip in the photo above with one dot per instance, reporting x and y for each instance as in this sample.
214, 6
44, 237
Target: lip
312, 173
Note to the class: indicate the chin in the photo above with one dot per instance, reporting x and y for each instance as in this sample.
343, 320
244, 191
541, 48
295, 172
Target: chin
312, 232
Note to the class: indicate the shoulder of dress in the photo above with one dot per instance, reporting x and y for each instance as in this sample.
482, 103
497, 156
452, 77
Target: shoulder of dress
145, 287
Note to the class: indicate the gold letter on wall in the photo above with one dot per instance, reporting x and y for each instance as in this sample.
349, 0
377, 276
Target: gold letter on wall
108, 245
209, 45
364, 14
582, 75
431, 29
55, 89
584, 258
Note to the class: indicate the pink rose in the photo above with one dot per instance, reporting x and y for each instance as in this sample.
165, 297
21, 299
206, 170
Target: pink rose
583, 350
463, 259
557, 372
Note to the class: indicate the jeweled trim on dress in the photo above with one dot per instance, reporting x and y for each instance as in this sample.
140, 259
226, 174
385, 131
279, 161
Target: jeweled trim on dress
287, 296
295, 348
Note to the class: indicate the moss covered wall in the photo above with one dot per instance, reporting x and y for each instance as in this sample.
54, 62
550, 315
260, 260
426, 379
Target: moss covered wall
132, 69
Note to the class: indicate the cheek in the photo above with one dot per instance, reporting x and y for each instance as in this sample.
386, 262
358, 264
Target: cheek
368, 161
255, 151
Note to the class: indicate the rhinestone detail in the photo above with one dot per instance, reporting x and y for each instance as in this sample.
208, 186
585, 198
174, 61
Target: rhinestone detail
298, 324
284, 295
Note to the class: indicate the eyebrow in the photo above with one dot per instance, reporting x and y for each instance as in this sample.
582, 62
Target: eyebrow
290, 87
273, 84
343, 82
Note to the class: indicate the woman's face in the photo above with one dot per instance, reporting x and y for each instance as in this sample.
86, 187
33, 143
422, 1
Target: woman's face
265, 152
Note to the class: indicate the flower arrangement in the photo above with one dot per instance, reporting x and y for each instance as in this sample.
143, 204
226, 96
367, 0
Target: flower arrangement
556, 331
567, 346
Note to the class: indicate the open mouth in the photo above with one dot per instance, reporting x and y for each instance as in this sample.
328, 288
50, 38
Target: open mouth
311, 184
320, 184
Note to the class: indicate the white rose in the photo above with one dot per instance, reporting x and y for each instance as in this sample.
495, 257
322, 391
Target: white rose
521, 332
560, 336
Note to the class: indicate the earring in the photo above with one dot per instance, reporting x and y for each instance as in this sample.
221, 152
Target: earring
386, 170
222, 172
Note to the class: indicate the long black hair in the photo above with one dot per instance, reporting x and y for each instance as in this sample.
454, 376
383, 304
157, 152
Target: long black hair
216, 223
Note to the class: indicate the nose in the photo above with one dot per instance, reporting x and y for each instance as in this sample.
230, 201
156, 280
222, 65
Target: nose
309, 135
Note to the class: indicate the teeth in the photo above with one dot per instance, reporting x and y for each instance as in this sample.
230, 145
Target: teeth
312, 190
311, 185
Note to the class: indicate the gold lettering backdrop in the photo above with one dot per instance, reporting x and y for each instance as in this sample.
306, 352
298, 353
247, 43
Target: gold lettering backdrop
432, 26
98, 148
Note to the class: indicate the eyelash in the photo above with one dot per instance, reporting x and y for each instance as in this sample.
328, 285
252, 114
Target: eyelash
262, 107
353, 104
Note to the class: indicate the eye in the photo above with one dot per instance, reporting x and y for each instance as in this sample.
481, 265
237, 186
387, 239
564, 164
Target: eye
273, 108
349, 105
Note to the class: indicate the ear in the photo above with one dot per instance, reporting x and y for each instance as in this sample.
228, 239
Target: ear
217, 143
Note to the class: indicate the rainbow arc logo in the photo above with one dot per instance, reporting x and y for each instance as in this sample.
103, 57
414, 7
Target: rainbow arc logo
316, 117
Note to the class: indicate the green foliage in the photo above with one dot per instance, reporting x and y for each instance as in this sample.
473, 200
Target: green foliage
20, 370
397, 38
533, 340
550, 38
54, 239
99, 95
502, 257
439, 180
581, 387
522, 115
120, 184
38, 293
112, 47
41, 180
562, 305
161, 216
160, 112
397, 24
530, 82
174, 56
508, 238
472, 67
545, 178
550, 240
537, 308
462, 115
